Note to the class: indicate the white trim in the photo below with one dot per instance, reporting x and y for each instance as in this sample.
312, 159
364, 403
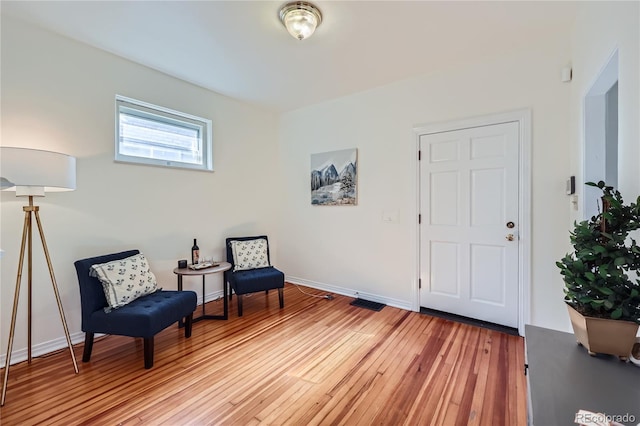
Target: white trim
44, 348
601, 82
209, 297
396, 303
523, 118
606, 77
205, 125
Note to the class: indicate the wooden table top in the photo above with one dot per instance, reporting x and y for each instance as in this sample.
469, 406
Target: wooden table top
220, 267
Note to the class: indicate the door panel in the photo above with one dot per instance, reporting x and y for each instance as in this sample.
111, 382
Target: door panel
445, 277
491, 146
444, 188
487, 208
487, 280
468, 193
443, 151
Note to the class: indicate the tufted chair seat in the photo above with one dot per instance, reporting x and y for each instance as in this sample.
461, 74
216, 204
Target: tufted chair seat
144, 317
255, 280
252, 280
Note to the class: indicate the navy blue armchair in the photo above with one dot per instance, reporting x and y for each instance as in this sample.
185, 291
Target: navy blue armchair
252, 271
143, 317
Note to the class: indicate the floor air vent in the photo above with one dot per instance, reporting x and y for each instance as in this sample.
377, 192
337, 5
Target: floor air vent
368, 304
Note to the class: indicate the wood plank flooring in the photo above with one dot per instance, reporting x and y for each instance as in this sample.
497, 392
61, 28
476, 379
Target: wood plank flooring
315, 362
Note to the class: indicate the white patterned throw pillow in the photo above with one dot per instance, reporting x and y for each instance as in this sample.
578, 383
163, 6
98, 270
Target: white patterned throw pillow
125, 280
249, 254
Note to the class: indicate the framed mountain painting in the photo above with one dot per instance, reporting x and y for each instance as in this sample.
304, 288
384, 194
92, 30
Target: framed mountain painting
334, 178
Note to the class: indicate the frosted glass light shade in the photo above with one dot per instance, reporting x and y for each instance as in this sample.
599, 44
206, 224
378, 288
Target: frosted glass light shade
32, 172
300, 18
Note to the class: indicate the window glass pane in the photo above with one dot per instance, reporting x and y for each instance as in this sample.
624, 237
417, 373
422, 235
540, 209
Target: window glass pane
143, 137
154, 135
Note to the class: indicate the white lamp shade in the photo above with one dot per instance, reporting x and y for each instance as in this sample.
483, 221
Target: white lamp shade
34, 172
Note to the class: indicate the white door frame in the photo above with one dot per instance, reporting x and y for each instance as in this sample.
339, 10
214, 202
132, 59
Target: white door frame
523, 118
593, 130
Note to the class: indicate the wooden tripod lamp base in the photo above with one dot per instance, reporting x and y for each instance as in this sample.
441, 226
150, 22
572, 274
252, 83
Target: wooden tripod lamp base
27, 243
31, 173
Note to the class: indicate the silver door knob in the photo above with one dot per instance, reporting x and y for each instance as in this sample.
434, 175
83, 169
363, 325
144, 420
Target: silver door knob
510, 237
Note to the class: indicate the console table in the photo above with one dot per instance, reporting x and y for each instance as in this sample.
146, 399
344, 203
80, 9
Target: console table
221, 267
563, 379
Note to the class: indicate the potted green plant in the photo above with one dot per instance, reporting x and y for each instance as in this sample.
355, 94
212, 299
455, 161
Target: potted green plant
602, 290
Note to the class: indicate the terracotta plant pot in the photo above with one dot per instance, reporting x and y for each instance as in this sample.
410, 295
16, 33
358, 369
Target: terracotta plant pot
635, 353
603, 336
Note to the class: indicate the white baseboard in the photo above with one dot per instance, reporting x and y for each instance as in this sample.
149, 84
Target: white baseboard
42, 348
396, 303
45, 348
210, 297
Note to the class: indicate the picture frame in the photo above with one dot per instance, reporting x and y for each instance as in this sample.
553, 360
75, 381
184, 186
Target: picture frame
334, 178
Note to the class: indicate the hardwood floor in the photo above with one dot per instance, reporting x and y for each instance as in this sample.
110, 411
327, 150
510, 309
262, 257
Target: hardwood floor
317, 361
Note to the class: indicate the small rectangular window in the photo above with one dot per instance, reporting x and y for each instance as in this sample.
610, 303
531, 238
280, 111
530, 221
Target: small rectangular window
149, 134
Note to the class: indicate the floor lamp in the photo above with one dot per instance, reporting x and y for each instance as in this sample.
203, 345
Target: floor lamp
31, 173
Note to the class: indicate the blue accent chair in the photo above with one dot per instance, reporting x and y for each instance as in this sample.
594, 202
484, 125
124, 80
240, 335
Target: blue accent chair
252, 280
144, 317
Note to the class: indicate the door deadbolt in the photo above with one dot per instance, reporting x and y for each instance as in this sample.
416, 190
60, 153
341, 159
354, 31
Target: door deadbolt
511, 225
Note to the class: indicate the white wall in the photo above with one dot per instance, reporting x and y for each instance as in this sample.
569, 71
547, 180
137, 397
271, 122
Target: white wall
600, 29
59, 95
350, 248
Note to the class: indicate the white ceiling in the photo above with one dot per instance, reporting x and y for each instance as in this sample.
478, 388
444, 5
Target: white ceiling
240, 48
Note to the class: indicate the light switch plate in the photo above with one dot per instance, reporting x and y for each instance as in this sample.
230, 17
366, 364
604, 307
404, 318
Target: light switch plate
390, 216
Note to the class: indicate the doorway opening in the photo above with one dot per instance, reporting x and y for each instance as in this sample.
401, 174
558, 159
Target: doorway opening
601, 135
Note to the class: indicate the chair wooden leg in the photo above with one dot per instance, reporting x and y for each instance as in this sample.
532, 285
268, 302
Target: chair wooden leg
239, 297
148, 352
88, 346
188, 325
281, 297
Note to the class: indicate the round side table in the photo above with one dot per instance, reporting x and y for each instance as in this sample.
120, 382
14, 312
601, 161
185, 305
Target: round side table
221, 267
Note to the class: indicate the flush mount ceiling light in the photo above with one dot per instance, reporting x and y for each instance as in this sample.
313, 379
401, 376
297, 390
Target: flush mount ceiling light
300, 18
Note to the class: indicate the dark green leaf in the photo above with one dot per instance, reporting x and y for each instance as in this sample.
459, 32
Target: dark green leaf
603, 271
600, 249
578, 265
605, 290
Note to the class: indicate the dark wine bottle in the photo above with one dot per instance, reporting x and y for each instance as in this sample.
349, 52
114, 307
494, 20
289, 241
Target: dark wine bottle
195, 253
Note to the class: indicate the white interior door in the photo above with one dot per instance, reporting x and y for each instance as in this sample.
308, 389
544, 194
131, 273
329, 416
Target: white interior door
469, 227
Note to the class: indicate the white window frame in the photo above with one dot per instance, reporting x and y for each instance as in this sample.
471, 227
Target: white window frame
165, 116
